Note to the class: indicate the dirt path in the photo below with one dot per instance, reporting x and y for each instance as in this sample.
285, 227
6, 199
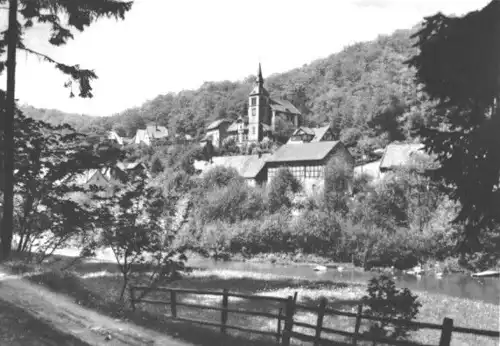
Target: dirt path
68, 317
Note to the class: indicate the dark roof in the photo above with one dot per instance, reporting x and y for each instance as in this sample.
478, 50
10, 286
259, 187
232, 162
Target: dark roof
257, 90
283, 106
312, 151
399, 154
216, 124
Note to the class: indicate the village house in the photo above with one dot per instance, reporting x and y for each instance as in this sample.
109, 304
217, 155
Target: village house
217, 132
260, 120
250, 167
107, 175
150, 134
306, 134
394, 156
307, 161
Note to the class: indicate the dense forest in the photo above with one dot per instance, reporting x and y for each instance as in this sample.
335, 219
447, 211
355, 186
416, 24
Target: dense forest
366, 92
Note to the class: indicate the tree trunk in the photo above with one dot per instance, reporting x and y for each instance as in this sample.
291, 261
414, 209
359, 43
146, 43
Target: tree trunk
124, 287
8, 144
20, 244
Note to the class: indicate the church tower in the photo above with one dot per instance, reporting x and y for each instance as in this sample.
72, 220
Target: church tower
258, 109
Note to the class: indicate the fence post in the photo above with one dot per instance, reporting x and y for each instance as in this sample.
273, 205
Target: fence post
278, 335
173, 303
358, 324
446, 332
319, 323
289, 311
225, 296
132, 298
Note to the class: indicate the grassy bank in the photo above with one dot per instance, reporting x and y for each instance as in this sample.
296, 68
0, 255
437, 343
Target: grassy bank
97, 285
19, 328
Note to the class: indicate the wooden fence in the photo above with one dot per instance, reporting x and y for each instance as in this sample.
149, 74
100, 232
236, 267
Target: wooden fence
284, 331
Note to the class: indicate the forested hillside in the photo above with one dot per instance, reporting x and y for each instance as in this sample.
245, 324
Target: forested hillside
365, 92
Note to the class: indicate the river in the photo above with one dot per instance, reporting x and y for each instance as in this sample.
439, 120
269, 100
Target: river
456, 285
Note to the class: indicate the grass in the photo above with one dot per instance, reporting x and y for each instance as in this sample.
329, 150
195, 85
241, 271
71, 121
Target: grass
97, 285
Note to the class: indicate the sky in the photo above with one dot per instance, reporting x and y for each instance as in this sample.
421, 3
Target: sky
168, 46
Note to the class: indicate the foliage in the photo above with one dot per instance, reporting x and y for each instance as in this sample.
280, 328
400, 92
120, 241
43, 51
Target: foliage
386, 301
280, 189
47, 158
131, 225
220, 176
457, 66
229, 147
231, 203
156, 166
338, 182
78, 15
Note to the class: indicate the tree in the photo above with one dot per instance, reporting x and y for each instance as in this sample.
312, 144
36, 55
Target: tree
458, 67
338, 181
132, 225
79, 14
47, 158
156, 166
280, 188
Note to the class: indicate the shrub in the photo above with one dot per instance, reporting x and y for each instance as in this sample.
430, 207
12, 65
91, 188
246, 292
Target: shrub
232, 203
385, 301
215, 240
262, 236
220, 176
317, 232
338, 179
280, 189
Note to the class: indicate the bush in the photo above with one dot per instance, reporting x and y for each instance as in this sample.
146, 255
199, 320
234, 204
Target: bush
232, 203
317, 233
281, 190
220, 176
338, 181
385, 301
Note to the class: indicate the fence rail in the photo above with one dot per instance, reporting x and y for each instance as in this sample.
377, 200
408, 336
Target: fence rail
284, 331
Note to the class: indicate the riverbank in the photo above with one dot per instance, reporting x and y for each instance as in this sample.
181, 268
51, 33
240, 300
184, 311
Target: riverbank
449, 266
97, 286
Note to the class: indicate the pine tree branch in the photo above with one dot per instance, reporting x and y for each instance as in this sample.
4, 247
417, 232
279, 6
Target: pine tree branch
81, 76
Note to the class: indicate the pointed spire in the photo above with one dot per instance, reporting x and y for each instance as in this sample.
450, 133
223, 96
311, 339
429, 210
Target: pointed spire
260, 80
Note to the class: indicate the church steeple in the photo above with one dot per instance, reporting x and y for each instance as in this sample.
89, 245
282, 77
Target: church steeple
258, 109
259, 80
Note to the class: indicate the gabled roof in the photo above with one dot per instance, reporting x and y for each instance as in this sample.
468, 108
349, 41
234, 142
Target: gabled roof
215, 124
399, 154
115, 136
312, 151
283, 106
140, 136
317, 132
156, 132
248, 166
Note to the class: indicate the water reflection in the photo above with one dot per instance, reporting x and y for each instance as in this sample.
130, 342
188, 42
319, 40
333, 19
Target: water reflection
456, 285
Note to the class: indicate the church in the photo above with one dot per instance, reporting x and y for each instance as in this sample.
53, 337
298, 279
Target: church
260, 122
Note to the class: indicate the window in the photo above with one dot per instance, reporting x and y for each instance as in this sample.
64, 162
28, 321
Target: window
253, 101
253, 130
253, 111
